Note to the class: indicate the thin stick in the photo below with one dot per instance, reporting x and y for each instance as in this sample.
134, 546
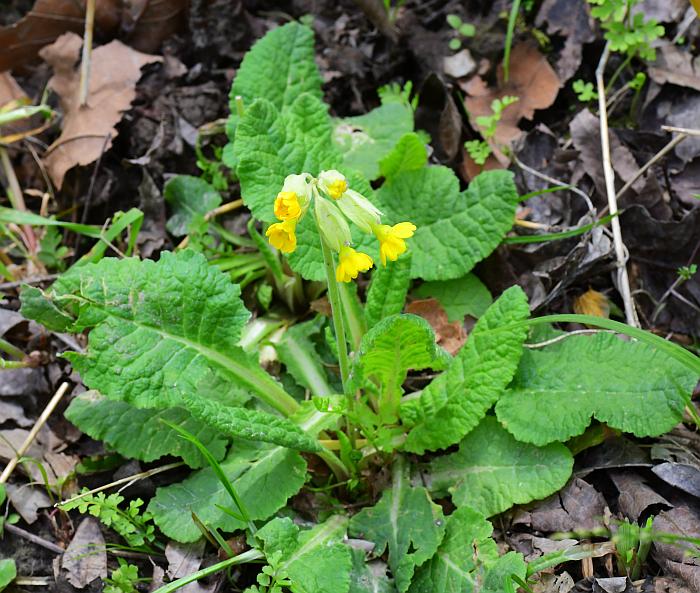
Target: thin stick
622, 277
577, 332
33, 432
35, 539
688, 131
133, 478
16, 196
652, 161
87, 51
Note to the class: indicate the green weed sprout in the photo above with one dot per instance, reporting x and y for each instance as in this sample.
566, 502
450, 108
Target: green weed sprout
585, 91
123, 579
461, 29
479, 150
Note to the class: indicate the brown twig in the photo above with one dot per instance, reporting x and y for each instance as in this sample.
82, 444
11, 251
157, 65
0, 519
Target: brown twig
623, 283
35, 539
87, 52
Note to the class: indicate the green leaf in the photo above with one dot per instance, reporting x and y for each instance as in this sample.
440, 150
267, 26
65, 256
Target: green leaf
406, 521
140, 433
408, 155
455, 402
390, 349
315, 560
499, 576
368, 578
459, 297
8, 572
465, 549
492, 471
299, 355
387, 290
630, 386
455, 230
279, 67
366, 139
190, 198
161, 331
252, 468
271, 145
38, 306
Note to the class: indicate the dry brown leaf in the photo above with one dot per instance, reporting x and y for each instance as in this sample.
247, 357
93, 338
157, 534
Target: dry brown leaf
675, 66
90, 129
27, 500
532, 80
85, 559
451, 336
10, 90
146, 22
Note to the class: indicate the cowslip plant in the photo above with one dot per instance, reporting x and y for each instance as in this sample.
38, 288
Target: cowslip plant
167, 354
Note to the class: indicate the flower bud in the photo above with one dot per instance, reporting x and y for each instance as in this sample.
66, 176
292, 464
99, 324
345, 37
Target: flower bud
359, 210
333, 183
334, 228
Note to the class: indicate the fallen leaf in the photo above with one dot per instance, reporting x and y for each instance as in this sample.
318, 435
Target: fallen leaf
675, 66
683, 476
85, 559
27, 500
532, 80
89, 130
438, 115
673, 556
146, 24
10, 90
662, 11
23, 381
183, 560
460, 64
636, 496
11, 412
570, 18
451, 336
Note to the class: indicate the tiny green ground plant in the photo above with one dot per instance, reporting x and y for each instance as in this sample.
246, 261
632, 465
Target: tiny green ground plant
171, 353
480, 150
462, 31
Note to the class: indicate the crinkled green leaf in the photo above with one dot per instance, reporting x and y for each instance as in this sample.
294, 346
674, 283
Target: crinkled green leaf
141, 433
38, 306
406, 522
190, 198
315, 560
264, 477
299, 355
394, 346
387, 290
8, 572
279, 67
161, 331
250, 424
409, 154
369, 577
459, 297
628, 385
271, 145
492, 471
455, 230
366, 139
455, 402
499, 576
459, 562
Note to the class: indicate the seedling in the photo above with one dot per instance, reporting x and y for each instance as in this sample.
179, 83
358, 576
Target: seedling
462, 31
480, 150
585, 91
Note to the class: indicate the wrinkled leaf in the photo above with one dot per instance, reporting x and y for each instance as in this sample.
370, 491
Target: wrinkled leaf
409, 154
387, 290
190, 198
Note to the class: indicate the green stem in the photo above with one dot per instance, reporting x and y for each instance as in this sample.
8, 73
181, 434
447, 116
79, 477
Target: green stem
249, 556
616, 75
12, 364
338, 322
509, 39
10, 349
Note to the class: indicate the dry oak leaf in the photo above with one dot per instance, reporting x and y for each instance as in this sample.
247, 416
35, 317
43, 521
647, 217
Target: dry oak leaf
532, 80
89, 130
675, 66
451, 336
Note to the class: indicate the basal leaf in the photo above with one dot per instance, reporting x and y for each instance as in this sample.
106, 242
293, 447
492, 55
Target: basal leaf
492, 471
369, 577
406, 522
264, 476
459, 297
455, 402
366, 139
141, 433
315, 560
271, 145
38, 306
628, 385
161, 331
279, 67
500, 574
455, 230
409, 154
464, 552
394, 346
387, 290
190, 198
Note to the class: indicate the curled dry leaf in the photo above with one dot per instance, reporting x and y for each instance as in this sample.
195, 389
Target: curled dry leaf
675, 66
451, 336
532, 80
145, 22
89, 130
85, 559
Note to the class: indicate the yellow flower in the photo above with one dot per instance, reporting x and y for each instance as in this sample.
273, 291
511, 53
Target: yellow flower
282, 237
287, 206
391, 239
333, 183
351, 263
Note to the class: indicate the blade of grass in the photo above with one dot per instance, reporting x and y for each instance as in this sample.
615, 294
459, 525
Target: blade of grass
557, 236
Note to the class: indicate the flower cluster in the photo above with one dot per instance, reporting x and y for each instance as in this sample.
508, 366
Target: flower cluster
332, 216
